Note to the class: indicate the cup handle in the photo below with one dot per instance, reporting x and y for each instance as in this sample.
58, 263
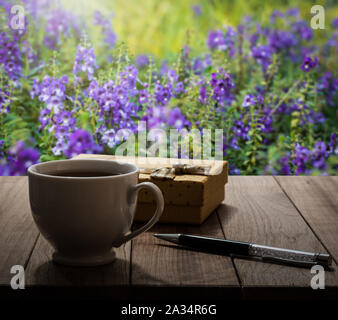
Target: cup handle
158, 212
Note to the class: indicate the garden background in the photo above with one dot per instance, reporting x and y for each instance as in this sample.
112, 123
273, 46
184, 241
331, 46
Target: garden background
77, 72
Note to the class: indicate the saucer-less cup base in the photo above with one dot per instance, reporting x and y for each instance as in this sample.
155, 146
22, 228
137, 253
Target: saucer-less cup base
90, 261
84, 218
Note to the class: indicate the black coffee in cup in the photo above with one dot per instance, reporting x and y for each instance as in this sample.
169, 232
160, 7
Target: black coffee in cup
82, 174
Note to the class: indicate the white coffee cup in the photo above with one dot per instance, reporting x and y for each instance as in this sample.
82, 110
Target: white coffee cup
84, 217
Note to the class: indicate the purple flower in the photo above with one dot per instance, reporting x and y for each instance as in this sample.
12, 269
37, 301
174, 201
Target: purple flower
262, 54
2, 142
197, 9
335, 23
128, 78
200, 65
164, 68
162, 117
142, 61
222, 86
197, 66
172, 76
303, 30
293, 12
28, 51
59, 146
85, 61
332, 42
203, 97
253, 39
222, 41
155, 117
163, 93
302, 156
275, 14
176, 119
310, 116
249, 100
318, 155
241, 130
122, 135
44, 118
20, 158
98, 18
4, 169
110, 36
5, 101
282, 40
179, 88
143, 96
230, 37
266, 121
81, 141
285, 167
109, 138
51, 91
59, 22
233, 170
64, 122
118, 104
230, 144
333, 144
329, 86
10, 56
216, 40
308, 64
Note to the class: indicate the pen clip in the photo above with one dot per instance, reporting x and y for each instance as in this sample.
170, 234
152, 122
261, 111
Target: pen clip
290, 261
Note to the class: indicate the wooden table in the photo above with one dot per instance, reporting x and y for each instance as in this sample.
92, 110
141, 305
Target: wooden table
291, 212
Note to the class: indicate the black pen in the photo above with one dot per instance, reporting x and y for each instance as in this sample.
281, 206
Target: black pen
247, 249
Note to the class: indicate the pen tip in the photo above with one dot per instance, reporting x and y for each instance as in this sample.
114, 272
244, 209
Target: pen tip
167, 237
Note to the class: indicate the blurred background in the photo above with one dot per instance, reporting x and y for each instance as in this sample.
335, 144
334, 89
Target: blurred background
80, 71
162, 27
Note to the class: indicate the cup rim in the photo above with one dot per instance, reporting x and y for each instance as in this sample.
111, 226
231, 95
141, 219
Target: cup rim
31, 171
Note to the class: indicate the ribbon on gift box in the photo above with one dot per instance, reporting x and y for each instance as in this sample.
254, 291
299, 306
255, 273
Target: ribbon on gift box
169, 173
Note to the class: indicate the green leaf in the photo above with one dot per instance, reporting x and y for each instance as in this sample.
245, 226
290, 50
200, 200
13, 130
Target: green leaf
83, 120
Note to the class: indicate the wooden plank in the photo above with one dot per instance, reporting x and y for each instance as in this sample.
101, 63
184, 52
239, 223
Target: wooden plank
157, 263
317, 200
257, 210
41, 271
18, 232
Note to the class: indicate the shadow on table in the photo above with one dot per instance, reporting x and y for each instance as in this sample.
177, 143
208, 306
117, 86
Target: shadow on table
113, 274
226, 212
253, 259
51, 280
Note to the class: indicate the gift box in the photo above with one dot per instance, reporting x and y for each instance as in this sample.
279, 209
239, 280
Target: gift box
192, 189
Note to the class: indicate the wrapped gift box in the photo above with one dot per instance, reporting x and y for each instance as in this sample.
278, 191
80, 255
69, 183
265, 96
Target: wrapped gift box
189, 198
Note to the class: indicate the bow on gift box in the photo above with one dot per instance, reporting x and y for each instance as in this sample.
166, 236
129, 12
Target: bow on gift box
177, 169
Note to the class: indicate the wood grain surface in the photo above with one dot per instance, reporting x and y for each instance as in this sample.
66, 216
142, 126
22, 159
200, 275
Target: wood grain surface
290, 212
317, 201
18, 232
42, 271
257, 210
157, 262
